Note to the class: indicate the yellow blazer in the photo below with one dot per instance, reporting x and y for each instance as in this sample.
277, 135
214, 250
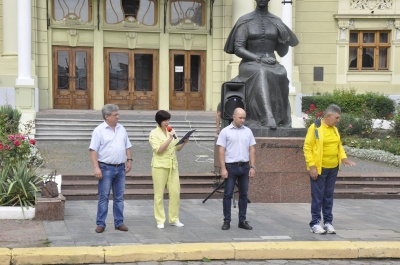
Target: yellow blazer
166, 159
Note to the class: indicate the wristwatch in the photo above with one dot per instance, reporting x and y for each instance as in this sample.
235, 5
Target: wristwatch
254, 167
129, 159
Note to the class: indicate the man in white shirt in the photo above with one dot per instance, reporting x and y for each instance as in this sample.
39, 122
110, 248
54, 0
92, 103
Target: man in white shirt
110, 152
237, 157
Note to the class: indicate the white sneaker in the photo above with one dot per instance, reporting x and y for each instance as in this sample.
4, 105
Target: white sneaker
317, 229
329, 228
177, 224
160, 226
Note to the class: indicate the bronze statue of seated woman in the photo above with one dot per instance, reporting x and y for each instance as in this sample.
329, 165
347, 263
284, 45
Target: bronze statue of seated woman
255, 38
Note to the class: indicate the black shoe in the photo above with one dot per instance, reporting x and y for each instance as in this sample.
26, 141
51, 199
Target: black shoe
226, 226
245, 225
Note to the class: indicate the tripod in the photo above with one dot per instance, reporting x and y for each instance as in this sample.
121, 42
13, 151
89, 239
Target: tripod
219, 186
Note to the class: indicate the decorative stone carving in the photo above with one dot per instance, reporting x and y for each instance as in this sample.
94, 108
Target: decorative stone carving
187, 41
352, 24
187, 24
343, 26
72, 37
72, 19
131, 22
390, 23
132, 39
397, 26
371, 4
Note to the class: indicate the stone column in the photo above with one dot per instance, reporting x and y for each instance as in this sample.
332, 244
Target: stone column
239, 8
10, 40
8, 59
25, 84
24, 43
163, 90
287, 60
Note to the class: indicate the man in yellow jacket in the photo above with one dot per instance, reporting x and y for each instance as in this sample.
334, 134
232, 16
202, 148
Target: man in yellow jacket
323, 152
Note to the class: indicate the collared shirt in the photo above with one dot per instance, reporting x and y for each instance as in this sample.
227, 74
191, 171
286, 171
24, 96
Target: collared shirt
237, 142
110, 145
166, 159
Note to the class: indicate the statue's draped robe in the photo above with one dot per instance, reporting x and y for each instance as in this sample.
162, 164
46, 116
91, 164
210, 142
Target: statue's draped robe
267, 87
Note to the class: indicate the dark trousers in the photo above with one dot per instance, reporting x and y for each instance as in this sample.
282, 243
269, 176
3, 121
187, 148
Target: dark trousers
239, 174
322, 190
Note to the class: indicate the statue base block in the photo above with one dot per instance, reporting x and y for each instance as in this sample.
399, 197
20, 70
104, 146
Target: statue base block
279, 132
281, 175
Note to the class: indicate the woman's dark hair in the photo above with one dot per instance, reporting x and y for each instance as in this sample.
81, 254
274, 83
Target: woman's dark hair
161, 116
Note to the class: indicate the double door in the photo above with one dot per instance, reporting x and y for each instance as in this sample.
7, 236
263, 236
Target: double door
72, 78
187, 80
131, 78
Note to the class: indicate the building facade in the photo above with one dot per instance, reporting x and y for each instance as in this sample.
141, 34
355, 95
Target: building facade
168, 54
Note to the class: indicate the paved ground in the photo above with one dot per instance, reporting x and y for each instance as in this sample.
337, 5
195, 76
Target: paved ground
355, 220
68, 157
276, 262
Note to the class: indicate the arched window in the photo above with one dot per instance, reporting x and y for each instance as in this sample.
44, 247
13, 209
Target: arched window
78, 10
139, 11
187, 11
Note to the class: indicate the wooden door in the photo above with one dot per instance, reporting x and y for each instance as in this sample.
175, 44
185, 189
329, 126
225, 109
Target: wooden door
131, 78
187, 80
72, 78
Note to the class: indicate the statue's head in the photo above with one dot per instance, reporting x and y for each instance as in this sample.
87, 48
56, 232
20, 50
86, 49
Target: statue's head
262, 3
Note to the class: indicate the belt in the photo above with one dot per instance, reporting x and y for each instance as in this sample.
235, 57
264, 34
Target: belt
113, 165
240, 164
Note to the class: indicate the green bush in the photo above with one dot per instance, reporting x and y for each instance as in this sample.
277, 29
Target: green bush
378, 105
348, 125
16, 146
353, 125
382, 106
9, 119
19, 185
396, 125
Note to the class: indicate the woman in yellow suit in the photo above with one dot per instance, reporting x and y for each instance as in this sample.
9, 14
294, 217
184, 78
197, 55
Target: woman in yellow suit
165, 169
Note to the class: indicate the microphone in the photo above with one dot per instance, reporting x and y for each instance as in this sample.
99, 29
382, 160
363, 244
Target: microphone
169, 128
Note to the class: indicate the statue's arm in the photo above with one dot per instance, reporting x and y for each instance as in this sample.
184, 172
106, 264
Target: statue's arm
240, 45
282, 49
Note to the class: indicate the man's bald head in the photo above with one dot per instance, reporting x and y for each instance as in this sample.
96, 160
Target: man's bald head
239, 117
239, 110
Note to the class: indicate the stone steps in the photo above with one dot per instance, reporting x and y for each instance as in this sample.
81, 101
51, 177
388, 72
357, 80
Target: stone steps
65, 130
193, 186
368, 185
78, 126
199, 186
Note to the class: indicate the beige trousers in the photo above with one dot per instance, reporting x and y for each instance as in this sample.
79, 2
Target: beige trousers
165, 177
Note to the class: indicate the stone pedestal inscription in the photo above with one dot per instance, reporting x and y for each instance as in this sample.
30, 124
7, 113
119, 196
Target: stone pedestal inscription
281, 174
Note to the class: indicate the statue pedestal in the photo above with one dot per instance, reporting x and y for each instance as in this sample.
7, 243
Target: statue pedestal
281, 174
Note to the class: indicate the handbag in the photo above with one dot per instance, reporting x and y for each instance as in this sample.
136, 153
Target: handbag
50, 189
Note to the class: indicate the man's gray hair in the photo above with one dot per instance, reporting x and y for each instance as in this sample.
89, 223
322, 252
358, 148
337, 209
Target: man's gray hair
332, 109
108, 109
